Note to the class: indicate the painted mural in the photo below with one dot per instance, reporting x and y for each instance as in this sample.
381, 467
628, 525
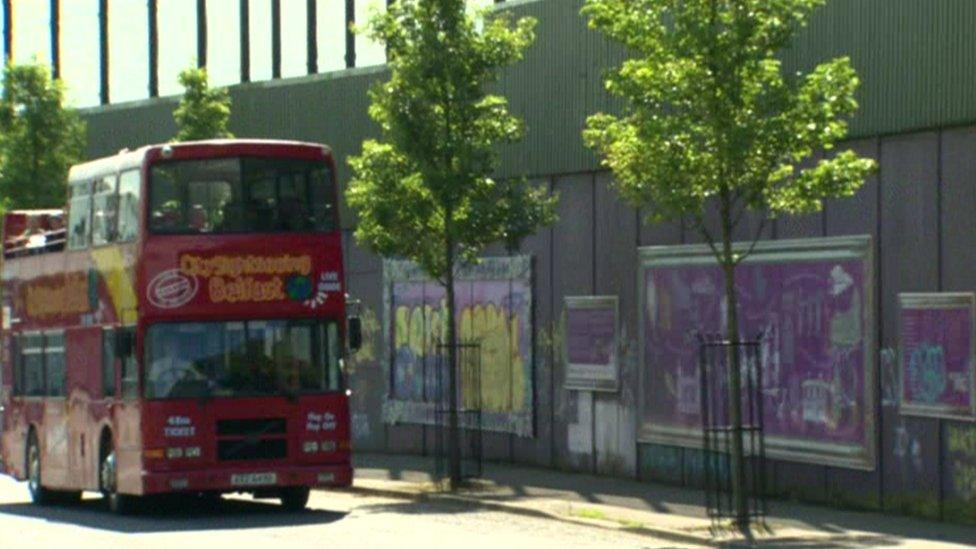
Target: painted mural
810, 300
960, 452
494, 309
936, 342
591, 343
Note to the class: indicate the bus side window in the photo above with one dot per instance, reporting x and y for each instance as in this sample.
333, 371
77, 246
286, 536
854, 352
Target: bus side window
128, 205
18, 358
79, 215
108, 362
125, 350
33, 365
54, 364
104, 210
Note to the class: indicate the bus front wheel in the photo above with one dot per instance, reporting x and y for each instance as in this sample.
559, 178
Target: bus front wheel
120, 504
295, 498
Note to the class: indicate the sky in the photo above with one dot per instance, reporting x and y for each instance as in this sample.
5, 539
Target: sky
177, 20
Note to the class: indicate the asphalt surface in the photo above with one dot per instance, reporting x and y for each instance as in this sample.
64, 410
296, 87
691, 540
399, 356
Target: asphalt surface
334, 519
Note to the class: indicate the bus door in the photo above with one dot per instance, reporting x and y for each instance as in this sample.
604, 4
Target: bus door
126, 415
55, 438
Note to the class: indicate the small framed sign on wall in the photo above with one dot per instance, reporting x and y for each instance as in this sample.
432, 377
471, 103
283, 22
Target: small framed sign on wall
936, 354
591, 343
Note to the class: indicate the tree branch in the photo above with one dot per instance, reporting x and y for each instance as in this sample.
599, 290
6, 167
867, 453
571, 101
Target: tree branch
709, 239
755, 240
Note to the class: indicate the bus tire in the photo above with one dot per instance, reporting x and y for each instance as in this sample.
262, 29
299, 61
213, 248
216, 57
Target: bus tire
120, 504
38, 493
294, 498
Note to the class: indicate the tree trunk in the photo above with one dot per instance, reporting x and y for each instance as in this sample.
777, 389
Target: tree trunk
733, 360
453, 438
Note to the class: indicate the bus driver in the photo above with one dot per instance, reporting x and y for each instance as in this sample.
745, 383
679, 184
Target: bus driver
169, 368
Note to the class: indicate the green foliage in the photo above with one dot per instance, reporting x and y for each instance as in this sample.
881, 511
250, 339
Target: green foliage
710, 116
39, 139
424, 191
203, 112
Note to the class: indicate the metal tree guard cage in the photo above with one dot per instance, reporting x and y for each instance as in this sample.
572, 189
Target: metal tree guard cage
715, 354
469, 398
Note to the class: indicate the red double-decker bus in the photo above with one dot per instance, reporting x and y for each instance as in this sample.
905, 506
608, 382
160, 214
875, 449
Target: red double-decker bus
181, 327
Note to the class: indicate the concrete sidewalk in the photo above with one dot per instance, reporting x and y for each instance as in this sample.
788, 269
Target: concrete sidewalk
664, 512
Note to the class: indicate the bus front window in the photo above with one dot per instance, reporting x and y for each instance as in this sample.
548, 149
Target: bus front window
241, 195
267, 357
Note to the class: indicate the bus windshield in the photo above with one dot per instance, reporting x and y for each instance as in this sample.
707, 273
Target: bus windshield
248, 358
241, 195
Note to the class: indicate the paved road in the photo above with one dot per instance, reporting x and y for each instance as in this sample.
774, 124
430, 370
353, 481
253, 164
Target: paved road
334, 520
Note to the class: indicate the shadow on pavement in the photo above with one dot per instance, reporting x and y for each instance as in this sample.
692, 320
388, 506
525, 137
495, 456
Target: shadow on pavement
525, 481
178, 515
420, 508
854, 541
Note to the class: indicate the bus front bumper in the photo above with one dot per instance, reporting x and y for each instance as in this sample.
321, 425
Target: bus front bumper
248, 480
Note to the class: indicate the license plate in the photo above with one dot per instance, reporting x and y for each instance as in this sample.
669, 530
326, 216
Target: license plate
326, 478
253, 479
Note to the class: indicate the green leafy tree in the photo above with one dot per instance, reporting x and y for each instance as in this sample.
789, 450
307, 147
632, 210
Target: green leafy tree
203, 112
424, 191
39, 139
711, 122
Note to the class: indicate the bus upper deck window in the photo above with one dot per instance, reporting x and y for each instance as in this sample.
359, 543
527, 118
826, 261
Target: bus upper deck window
104, 210
241, 195
128, 206
79, 215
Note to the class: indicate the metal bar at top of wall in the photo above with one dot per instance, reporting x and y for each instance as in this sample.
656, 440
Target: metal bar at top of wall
103, 50
201, 34
153, 22
350, 37
245, 16
56, 39
8, 31
275, 38
311, 37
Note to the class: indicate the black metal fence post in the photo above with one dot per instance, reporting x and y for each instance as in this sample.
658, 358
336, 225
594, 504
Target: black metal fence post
717, 432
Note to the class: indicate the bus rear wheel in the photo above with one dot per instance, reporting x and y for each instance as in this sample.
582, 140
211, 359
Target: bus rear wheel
120, 504
294, 498
38, 493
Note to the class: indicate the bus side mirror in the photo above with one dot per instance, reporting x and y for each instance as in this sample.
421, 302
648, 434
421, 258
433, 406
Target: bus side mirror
355, 333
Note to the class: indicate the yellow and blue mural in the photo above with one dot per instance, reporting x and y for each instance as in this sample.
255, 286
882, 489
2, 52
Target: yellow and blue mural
494, 310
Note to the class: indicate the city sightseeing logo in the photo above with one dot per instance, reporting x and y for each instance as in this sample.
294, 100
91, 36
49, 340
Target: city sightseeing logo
171, 289
243, 279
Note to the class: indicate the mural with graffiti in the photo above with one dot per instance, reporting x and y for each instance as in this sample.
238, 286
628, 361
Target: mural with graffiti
810, 301
937, 348
494, 310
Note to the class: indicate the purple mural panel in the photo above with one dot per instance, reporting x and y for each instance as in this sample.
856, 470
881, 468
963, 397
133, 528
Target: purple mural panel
408, 330
435, 299
493, 304
936, 354
809, 300
591, 343
590, 336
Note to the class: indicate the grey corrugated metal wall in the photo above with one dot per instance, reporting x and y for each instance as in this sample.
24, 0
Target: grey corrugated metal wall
915, 61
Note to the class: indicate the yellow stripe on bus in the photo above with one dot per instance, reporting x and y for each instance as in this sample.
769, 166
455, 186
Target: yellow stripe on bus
118, 280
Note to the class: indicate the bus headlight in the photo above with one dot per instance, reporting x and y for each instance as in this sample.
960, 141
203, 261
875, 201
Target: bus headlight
174, 453
310, 446
328, 446
192, 452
